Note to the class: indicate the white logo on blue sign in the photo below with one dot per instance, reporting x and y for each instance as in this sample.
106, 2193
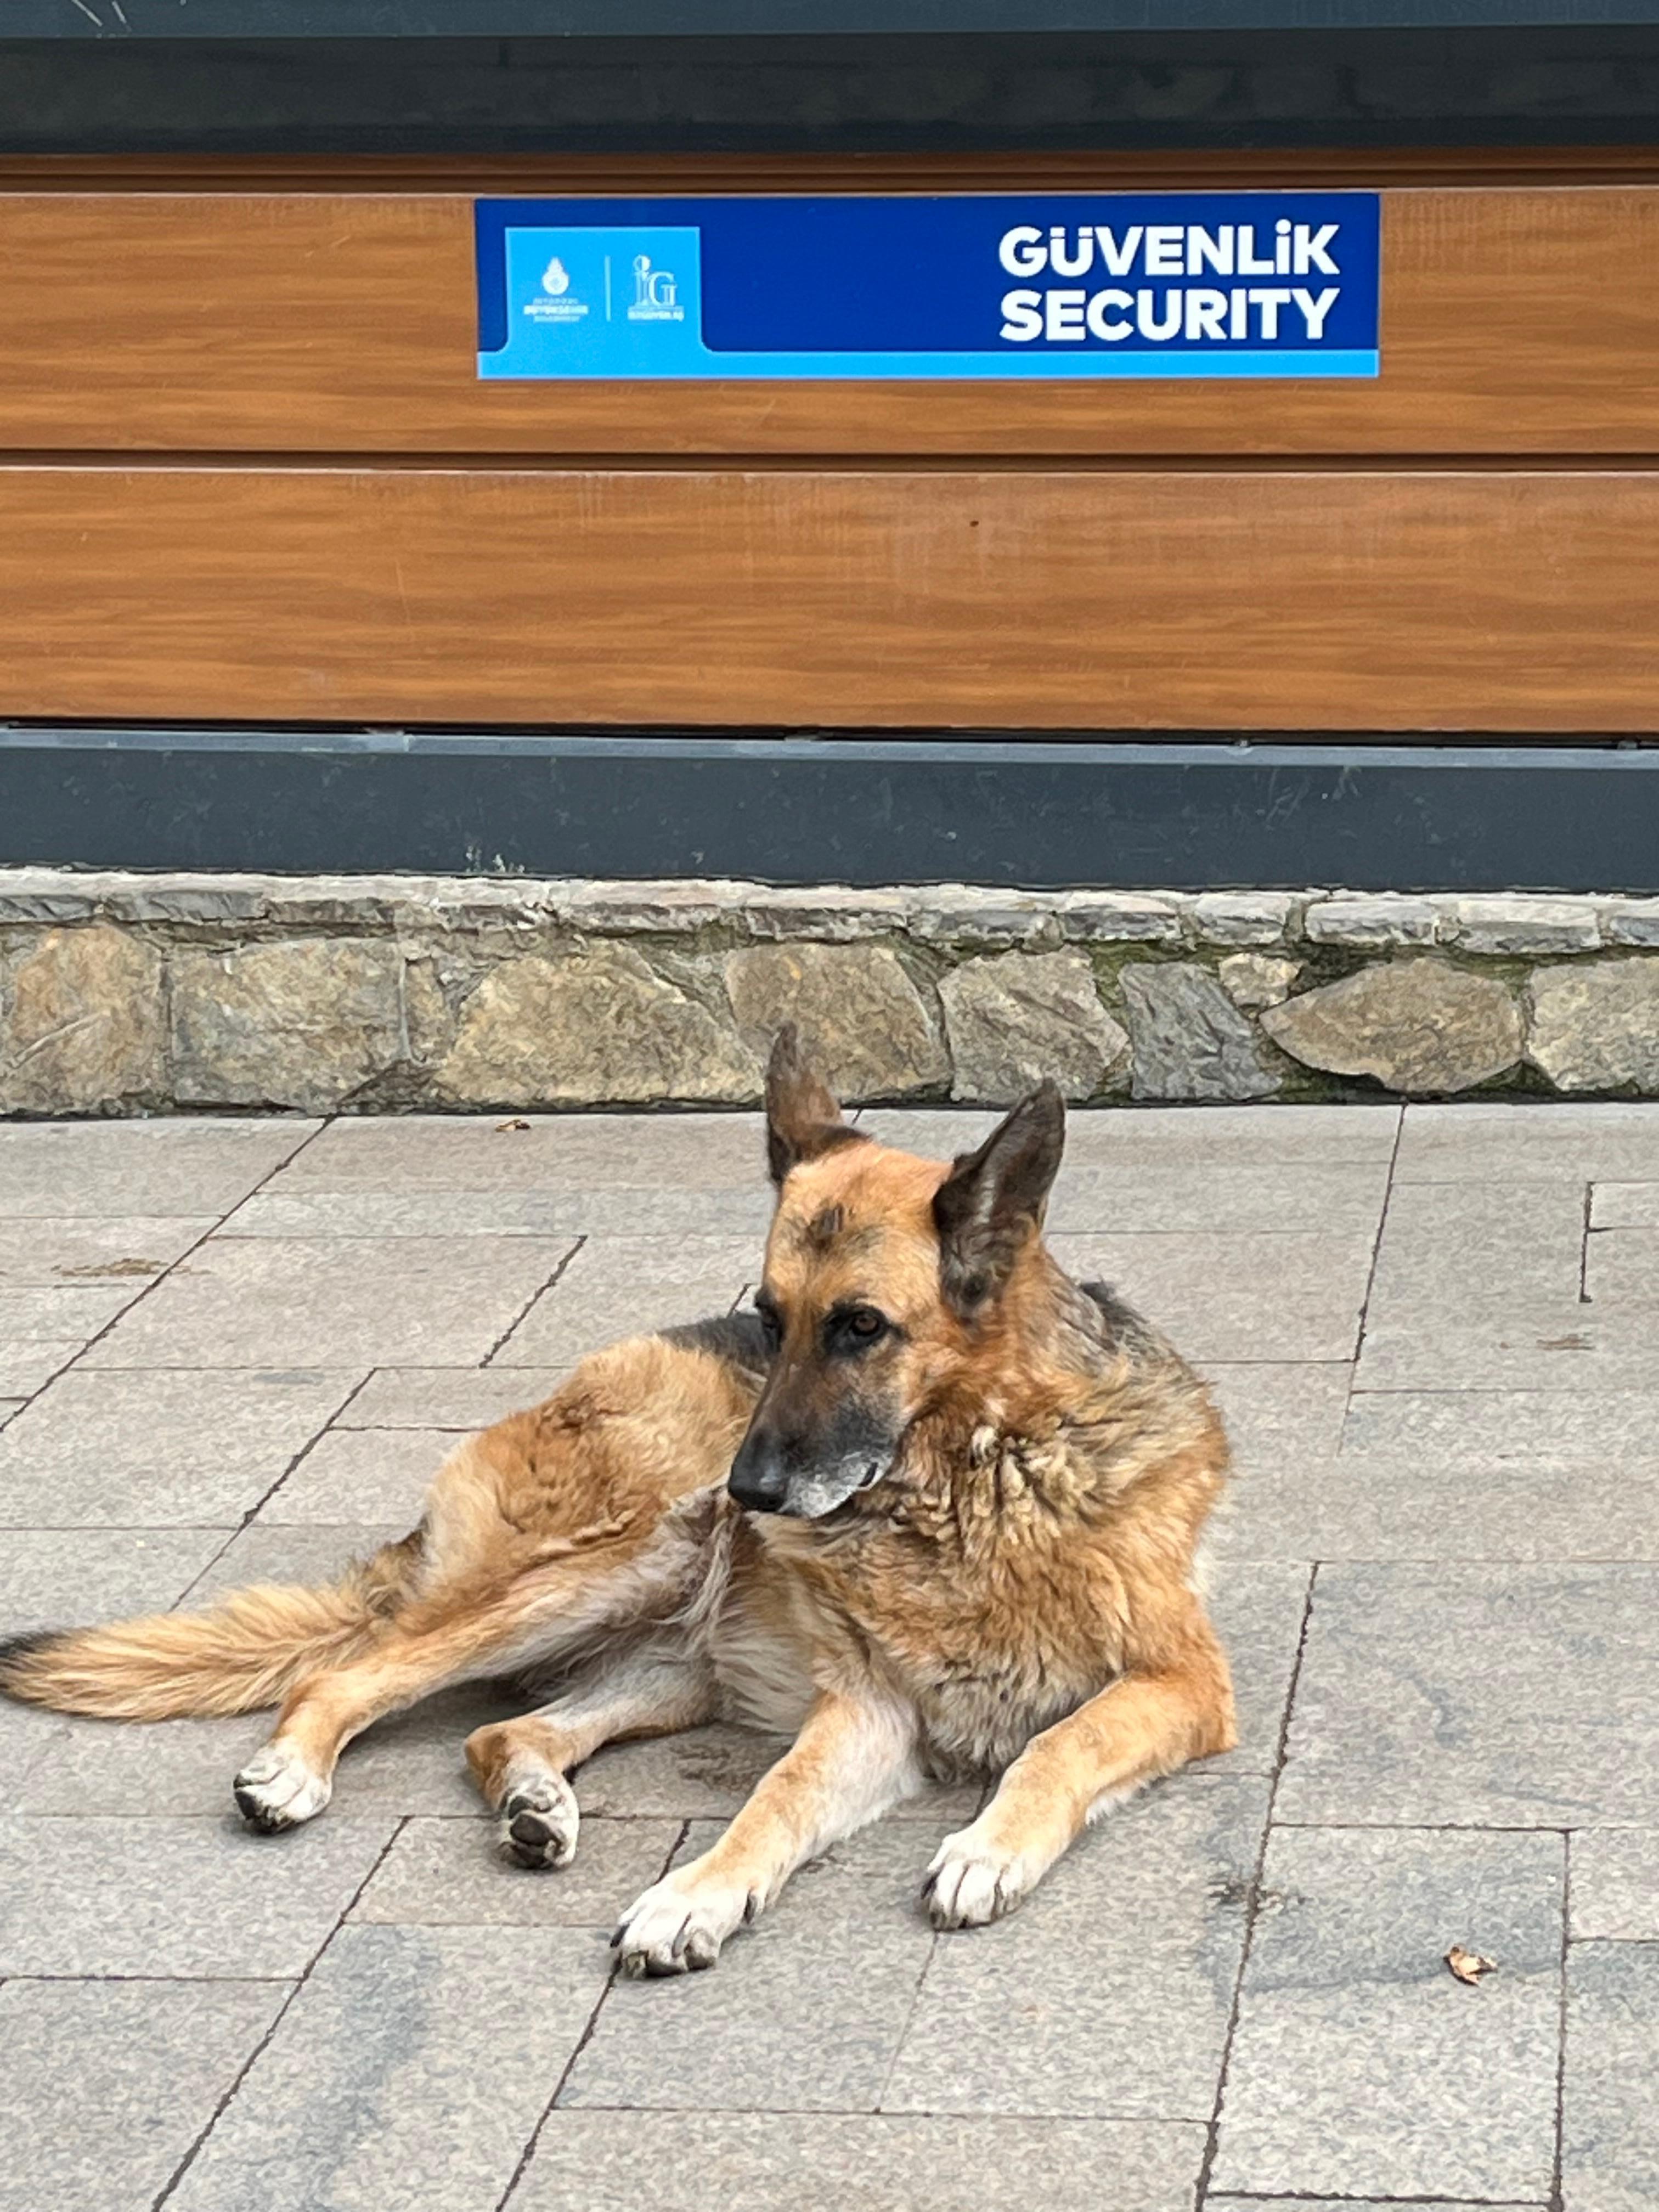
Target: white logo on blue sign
959, 286
656, 293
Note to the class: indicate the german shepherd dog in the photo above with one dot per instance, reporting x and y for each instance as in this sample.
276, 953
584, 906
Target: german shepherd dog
932, 1510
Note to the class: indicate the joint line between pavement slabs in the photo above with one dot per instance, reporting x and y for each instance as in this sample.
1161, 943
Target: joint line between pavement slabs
189, 2159
582, 2042
1213, 2134
535, 1296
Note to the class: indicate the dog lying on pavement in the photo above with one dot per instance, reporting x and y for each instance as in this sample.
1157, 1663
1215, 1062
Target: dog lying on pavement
932, 1510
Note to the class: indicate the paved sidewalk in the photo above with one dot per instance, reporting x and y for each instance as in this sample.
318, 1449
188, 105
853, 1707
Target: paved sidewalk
237, 1349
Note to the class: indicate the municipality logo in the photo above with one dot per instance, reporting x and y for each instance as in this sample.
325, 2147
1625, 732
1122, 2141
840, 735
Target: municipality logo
656, 293
556, 302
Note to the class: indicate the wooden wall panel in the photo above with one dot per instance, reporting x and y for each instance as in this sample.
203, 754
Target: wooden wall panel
1132, 599
1516, 320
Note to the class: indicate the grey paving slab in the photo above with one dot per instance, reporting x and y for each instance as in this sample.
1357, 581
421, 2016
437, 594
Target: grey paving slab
1462, 1691
1520, 1474
450, 1872
82, 1249
1361, 1507
462, 1214
1236, 1136
831, 2162
446, 1397
618, 1287
123, 1167
1290, 1409
1315, 1198
1214, 2203
363, 1475
1626, 1204
1609, 2144
336, 1302
1523, 1474
1615, 1884
1446, 1248
1258, 1607
1570, 1430
62, 1577
806, 2010
102, 1894
705, 1773
26, 1735
413, 1152
10, 1408
699, 1774
1109, 1990
1557, 1344
936, 1133
411, 1763
1479, 1142
67, 1314
1221, 1298
160, 1446
312, 1552
109, 2083
148, 1770
1359, 2066
28, 1365
1284, 1425
1621, 1270
66, 1578
407, 2075
55, 1578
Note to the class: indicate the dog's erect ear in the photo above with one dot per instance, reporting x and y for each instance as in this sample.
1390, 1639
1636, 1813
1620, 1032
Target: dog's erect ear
802, 1117
992, 1201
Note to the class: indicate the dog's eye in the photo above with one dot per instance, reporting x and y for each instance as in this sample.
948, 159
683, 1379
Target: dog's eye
772, 1322
863, 1324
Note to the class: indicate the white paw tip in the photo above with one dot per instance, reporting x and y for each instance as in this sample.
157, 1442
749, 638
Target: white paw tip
277, 1790
673, 1930
540, 1823
970, 1885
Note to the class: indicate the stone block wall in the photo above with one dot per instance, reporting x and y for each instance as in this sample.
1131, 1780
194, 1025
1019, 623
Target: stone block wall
131, 993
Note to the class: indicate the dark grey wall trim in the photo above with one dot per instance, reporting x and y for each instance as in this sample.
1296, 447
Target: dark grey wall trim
860, 811
1137, 90
519, 19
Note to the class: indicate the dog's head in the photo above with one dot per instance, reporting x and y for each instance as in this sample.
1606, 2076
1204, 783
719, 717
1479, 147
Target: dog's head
885, 1274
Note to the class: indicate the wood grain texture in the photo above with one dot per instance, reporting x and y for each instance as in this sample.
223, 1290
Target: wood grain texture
1139, 599
1515, 321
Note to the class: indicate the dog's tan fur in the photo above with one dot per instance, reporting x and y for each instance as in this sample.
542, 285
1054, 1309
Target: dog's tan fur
1015, 1592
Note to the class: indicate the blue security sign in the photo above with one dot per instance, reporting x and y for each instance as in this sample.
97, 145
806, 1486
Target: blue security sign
1029, 285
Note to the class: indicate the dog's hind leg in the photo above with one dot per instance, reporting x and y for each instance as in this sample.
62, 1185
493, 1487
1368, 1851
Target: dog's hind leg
292, 1778
522, 1766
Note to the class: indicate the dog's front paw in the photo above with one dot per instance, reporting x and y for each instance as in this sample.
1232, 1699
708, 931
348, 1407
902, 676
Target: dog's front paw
972, 1881
678, 1926
540, 1821
279, 1789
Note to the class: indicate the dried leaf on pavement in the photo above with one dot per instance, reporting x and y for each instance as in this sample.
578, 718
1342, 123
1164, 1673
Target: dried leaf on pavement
1469, 1965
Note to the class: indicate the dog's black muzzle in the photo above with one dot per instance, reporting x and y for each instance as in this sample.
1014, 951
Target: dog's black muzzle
759, 1479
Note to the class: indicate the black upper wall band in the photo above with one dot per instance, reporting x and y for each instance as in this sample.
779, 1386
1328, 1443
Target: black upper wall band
1450, 81
1034, 811
194, 20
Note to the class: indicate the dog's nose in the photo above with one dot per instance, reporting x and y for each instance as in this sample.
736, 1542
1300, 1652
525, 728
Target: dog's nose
758, 1480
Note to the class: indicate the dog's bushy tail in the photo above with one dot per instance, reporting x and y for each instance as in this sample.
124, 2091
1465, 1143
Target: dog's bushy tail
249, 1650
